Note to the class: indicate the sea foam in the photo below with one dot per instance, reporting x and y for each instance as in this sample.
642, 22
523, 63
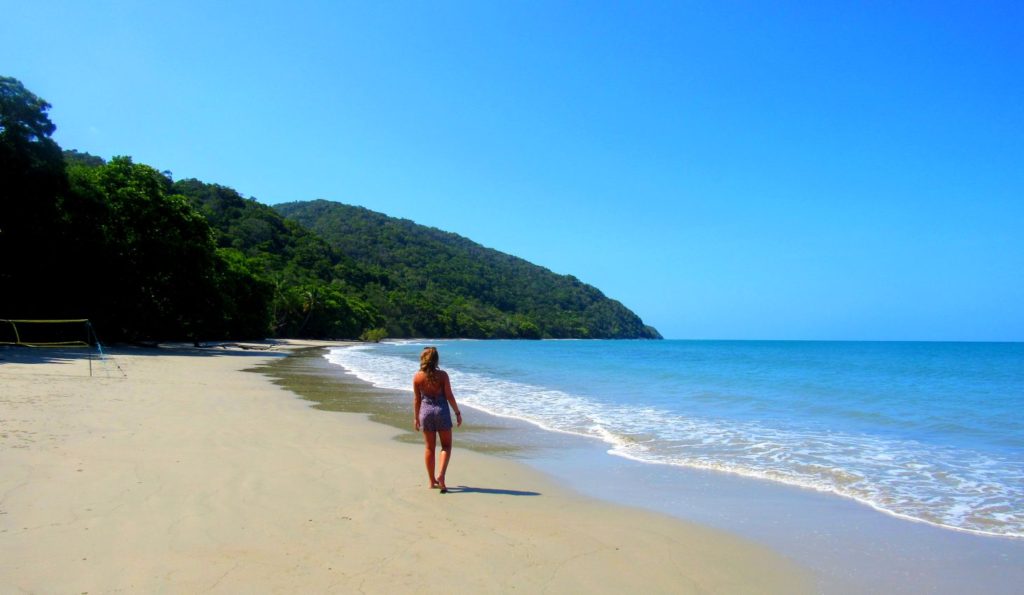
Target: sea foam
952, 486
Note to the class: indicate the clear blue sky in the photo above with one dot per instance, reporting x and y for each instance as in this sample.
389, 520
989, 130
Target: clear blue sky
779, 170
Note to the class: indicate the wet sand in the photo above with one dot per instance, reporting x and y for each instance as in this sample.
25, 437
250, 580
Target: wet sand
848, 546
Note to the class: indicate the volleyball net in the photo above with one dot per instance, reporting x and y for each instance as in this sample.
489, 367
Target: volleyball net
75, 332
67, 333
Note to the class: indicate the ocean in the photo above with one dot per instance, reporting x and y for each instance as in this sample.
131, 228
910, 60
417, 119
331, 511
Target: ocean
930, 432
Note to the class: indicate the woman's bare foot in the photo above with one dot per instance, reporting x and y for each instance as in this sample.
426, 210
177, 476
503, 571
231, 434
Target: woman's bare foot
440, 484
433, 485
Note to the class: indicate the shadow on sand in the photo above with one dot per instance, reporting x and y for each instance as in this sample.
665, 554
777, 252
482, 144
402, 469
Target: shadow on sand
18, 354
493, 491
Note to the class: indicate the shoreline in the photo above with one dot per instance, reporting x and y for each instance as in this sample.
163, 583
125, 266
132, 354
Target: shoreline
188, 474
849, 545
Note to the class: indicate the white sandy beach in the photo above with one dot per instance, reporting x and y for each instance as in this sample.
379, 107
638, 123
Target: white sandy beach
191, 475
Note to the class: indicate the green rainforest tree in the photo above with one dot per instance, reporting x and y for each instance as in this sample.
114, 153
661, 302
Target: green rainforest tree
32, 226
148, 258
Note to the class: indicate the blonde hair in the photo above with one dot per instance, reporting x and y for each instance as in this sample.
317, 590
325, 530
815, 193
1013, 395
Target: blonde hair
428, 362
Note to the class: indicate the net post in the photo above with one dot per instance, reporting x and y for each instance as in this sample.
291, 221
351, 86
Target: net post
90, 334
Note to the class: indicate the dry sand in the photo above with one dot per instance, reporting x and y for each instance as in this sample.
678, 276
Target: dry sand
190, 475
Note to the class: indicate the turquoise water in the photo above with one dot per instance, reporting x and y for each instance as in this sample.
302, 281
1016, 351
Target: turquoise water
927, 431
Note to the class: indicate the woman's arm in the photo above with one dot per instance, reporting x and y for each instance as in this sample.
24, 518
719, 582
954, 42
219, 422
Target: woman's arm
451, 399
417, 398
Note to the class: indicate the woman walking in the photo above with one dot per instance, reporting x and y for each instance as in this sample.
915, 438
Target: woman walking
432, 396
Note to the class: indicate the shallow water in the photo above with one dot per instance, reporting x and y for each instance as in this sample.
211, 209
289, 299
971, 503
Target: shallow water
931, 432
852, 548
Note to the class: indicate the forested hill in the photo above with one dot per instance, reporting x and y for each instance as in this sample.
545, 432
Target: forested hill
446, 285
147, 258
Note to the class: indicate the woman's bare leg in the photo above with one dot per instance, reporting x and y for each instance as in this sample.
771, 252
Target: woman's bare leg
446, 455
430, 444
